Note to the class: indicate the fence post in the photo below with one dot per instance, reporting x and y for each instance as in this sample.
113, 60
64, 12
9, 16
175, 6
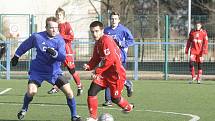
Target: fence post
135, 61
8, 48
166, 46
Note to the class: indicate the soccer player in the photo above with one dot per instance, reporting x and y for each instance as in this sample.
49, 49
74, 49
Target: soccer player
68, 35
110, 73
198, 45
50, 48
124, 39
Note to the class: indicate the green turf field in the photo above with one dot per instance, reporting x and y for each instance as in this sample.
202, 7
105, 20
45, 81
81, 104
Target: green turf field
154, 101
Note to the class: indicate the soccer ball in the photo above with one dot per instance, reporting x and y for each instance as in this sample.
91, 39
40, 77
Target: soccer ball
105, 117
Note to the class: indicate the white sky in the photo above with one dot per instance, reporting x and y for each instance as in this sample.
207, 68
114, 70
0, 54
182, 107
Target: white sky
29, 6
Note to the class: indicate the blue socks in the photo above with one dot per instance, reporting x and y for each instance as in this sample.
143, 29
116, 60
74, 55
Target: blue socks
27, 101
72, 106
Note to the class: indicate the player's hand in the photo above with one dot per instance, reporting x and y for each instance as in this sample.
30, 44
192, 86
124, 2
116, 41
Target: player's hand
86, 67
51, 51
14, 60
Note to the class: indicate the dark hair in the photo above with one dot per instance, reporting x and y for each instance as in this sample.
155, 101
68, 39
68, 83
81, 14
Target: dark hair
52, 18
60, 10
97, 23
114, 13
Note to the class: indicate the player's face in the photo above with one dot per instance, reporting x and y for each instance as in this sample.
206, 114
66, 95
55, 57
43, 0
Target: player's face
52, 28
114, 21
96, 32
198, 26
60, 17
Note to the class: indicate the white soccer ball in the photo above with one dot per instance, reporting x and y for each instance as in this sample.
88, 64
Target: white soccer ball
105, 117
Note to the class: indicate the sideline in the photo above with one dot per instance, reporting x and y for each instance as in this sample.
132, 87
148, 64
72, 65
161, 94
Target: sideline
193, 117
4, 91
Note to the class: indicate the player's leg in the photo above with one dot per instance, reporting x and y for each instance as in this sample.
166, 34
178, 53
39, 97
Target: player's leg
128, 83
116, 94
92, 100
77, 79
64, 86
108, 101
129, 87
192, 68
31, 91
199, 74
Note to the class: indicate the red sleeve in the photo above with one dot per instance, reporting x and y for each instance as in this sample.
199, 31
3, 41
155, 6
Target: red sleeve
94, 61
66, 32
188, 43
109, 55
205, 43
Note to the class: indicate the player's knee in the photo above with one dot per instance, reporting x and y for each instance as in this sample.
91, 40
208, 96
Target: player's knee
191, 64
199, 66
31, 93
94, 89
61, 80
71, 71
115, 100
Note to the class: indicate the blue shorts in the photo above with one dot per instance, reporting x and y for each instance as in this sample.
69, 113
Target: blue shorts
38, 78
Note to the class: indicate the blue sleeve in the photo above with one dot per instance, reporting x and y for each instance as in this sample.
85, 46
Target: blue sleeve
129, 39
61, 50
25, 46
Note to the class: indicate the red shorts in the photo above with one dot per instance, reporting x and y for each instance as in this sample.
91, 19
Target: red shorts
116, 86
196, 58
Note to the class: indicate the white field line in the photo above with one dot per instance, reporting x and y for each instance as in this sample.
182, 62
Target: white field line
4, 91
193, 117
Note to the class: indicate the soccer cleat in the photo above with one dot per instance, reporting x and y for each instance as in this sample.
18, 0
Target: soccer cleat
52, 91
129, 89
91, 119
76, 118
128, 108
79, 91
21, 114
192, 80
199, 80
107, 103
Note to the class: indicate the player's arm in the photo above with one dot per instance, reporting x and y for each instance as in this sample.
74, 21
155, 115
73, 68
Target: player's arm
94, 61
188, 44
22, 49
205, 43
68, 34
108, 51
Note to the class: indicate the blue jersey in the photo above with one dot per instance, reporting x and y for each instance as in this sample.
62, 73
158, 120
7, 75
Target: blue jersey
44, 65
122, 37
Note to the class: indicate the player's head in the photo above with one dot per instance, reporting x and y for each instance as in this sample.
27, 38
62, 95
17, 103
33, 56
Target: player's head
60, 14
198, 25
96, 29
52, 26
115, 19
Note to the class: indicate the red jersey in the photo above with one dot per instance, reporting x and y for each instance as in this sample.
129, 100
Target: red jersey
197, 42
108, 53
66, 32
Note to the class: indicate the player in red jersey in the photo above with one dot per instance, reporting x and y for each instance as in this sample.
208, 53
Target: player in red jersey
198, 45
68, 36
110, 73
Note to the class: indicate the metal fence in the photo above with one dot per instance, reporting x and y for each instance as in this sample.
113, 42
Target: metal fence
146, 60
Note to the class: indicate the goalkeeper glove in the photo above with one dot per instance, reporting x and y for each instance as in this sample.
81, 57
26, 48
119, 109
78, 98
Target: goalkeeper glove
51, 51
14, 60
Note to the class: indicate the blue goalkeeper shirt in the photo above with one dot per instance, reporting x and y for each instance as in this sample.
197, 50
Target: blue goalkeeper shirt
44, 65
122, 37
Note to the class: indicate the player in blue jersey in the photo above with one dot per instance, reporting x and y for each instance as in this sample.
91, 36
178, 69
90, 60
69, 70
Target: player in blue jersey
50, 49
124, 39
